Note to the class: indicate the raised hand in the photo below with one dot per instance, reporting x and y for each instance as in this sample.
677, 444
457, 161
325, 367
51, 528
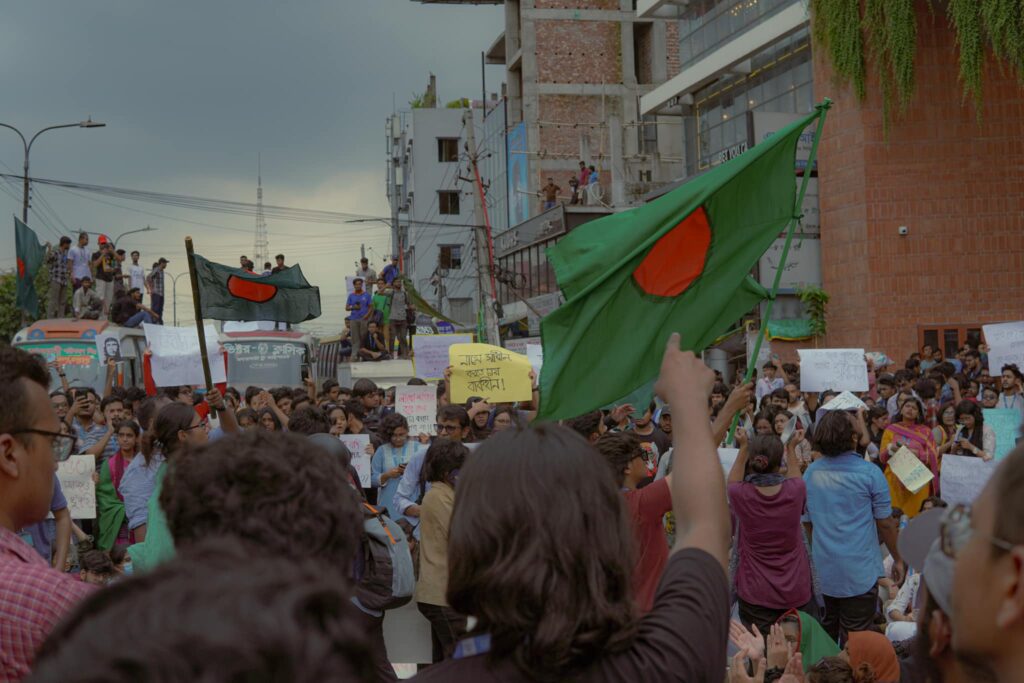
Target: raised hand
750, 643
779, 649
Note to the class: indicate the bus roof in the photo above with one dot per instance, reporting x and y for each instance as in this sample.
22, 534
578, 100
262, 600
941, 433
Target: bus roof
67, 328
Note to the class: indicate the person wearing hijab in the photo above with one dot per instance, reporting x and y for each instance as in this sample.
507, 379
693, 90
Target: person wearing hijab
875, 650
808, 637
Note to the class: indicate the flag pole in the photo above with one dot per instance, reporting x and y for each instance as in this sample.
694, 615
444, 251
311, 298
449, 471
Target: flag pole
823, 108
194, 278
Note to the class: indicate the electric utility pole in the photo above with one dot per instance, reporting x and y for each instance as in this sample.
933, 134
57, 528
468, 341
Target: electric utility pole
482, 240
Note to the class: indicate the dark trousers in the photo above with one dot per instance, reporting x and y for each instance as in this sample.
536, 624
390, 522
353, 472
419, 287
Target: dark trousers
157, 304
765, 617
446, 628
856, 613
374, 627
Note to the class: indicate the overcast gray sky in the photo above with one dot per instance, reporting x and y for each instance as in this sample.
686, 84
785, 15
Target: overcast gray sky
191, 91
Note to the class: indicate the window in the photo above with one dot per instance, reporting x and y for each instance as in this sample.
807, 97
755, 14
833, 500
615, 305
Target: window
447, 150
451, 256
951, 337
448, 202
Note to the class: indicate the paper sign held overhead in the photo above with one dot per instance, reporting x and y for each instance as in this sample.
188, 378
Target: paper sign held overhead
492, 372
835, 369
418, 405
176, 359
845, 401
357, 445
1006, 346
75, 475
909, 470
430, 353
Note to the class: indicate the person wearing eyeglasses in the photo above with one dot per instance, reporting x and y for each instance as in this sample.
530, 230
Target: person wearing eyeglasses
987, 541
33, 597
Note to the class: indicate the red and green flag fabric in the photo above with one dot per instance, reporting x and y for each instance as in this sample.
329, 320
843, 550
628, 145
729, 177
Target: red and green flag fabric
29, 259
227, 293
679, 264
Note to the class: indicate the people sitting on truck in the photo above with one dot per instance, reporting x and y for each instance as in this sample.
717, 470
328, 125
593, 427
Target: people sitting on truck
86, 303
129, 311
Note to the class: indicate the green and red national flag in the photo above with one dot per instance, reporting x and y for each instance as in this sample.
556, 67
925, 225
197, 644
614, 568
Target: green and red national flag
679, 264
29, 259
227, 293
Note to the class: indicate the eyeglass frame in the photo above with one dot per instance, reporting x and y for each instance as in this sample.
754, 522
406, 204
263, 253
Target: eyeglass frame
445, 429
56, 437
202, 423
960, 516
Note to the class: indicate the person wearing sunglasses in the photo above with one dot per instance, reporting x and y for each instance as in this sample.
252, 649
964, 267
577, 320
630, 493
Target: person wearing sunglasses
33, 597
987, 542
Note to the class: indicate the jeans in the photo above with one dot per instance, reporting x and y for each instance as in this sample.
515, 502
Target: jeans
359, 330
106, 291
856, 613
138, 319
374, 628
446, 628
156, 302
57, 305
399, 342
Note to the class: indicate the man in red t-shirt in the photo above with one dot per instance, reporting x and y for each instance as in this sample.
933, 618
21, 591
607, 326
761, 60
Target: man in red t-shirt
647, 509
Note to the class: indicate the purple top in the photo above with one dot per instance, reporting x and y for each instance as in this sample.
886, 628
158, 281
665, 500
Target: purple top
773, 569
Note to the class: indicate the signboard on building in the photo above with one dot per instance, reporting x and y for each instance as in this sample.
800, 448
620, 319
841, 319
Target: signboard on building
541, 227
518, 175
803, 264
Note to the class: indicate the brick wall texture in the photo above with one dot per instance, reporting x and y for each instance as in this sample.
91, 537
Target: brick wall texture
672, 48
560, 119
954, 181
578, 51
577, 4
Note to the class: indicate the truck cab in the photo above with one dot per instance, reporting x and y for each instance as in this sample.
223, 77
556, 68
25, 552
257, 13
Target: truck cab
71, 345
267, 357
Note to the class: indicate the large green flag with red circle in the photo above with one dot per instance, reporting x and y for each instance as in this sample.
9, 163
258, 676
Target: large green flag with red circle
679, 264
227, 293
29, 256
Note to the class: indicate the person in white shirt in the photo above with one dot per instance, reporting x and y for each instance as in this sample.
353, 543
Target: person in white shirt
80, 258
136, 274
773, 377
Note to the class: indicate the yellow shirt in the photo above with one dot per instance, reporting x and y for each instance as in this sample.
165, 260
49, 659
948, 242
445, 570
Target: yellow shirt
435, 519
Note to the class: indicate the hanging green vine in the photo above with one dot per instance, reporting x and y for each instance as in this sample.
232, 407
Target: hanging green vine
886, 33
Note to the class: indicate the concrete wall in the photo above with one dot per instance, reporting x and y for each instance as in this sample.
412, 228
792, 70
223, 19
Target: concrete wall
953, 180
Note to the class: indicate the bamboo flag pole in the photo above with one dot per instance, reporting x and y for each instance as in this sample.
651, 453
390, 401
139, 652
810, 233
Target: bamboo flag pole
823, 108
199, 312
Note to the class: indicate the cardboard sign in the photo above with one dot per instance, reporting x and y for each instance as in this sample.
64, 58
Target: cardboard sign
909, 470
430, 353
496, 374
835, 369
75, 476
1005, 422
176, 359
418, 405
963, 477
356, 444
1006, 345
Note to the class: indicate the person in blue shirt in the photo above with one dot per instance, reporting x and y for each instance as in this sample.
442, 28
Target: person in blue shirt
389, 462
390, 271
359, 308
848, 510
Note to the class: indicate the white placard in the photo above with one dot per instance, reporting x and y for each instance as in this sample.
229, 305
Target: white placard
430, 353
963, 477
535, 354
75, 476
176, 359
1006, 346
418, 405
845, 401
519, 344
727, 456
835, 369
356, 444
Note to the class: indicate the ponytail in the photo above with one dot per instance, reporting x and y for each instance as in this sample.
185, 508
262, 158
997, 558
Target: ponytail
171, 419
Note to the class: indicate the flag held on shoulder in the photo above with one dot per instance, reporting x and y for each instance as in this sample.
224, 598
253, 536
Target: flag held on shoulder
227, 293
679, 264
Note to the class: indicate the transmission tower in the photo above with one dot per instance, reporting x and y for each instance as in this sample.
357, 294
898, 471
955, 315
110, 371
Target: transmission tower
261, 245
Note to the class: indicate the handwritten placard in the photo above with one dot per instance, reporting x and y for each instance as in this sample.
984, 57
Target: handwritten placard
1006, 345
430, 353
176, 359
418, 405
75, 475
496, 374
1005, 422
835, 369
357, 445
963, 477
909, 470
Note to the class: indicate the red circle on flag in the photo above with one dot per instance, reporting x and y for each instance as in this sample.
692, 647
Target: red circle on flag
257, 292
677, 258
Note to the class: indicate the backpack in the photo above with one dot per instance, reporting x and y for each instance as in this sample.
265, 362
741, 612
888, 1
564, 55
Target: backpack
388, 579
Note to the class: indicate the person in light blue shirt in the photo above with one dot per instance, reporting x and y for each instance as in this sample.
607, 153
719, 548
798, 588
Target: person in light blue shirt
848, 510
389, 462
137, 485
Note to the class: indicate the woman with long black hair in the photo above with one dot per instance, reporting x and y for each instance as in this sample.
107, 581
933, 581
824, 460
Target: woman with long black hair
976, 438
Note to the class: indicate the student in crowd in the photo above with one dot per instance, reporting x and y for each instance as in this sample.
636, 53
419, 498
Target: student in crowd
113, 523
773, 572
655, 442
445, 459
773, 376
946, 429
912, 432
33, 596
479, 415
237, 616
550, 584
976, 437
390, 460
590, 426
96, 568
359, 307
1012, 381
647, 508
848, 509
374, 348
268, 420
505, 417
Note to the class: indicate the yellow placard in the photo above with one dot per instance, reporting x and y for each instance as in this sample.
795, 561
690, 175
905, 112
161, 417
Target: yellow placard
911, 472
496, 374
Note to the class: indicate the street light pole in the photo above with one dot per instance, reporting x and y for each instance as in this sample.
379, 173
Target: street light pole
118, 238
174, 296
88, 123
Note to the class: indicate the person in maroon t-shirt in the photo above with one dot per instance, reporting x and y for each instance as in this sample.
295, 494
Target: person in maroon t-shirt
647, 507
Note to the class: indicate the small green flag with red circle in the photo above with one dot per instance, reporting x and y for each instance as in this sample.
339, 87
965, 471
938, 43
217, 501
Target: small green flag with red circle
679, 264
29, 256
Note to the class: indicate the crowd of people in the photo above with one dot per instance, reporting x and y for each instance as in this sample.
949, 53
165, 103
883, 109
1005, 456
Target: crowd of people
234, 538
584, 187
379, 321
